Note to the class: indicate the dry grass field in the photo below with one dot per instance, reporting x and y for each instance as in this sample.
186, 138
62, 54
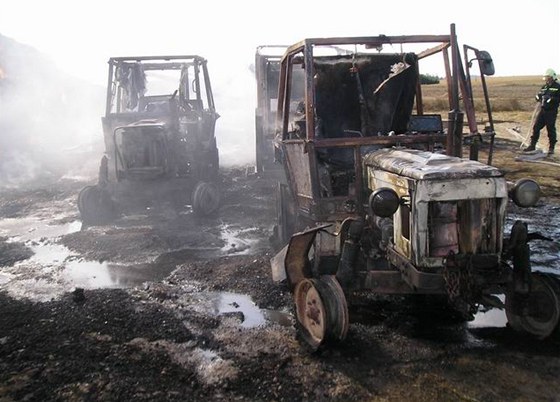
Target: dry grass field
513, 103
512, 98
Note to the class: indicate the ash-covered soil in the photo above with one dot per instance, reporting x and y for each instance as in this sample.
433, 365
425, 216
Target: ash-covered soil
212, 325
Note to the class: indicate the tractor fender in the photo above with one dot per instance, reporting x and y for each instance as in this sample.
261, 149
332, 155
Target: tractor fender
292, 262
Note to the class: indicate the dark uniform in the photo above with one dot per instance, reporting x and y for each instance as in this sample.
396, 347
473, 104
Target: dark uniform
549, 98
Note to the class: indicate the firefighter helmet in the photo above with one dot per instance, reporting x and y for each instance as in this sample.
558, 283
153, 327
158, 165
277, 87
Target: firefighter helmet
550, 73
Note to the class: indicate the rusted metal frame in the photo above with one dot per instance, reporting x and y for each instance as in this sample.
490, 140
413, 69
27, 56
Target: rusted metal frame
455, 70
425, 53
310, 117
447, 74
378, 40
466, 91
467, 69
167, 66
290, 171
369, 41
146, 58
110, 90
455, 131
283, 107
421, 55
489, 112
147, 66
380, 140
293, 49
315, 182
197, 82
486, 99
431, 51
309, 92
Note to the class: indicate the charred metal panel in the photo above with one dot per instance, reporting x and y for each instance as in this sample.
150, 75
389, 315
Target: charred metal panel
481, 212
294, 258
424, 165
405, 189
461, 188
141, 152
416, 279
298, 161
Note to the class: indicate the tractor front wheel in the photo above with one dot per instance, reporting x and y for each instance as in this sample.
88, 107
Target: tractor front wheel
321, 311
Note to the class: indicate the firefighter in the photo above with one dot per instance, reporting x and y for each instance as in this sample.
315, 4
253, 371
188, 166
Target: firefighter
548, 98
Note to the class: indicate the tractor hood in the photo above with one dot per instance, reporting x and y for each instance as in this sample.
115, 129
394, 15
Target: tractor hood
423, 165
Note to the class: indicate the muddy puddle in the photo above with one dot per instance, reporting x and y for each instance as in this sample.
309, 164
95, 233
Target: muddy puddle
219, 303
53, 269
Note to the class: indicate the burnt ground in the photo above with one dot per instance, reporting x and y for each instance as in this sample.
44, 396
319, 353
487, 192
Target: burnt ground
162, 314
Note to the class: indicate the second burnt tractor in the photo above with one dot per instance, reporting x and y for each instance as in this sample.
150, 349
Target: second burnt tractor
159, 134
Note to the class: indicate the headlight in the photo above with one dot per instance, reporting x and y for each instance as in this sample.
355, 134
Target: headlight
384, 202
525, 193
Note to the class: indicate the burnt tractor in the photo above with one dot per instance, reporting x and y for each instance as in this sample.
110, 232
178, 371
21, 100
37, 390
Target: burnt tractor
160, 144
381, 201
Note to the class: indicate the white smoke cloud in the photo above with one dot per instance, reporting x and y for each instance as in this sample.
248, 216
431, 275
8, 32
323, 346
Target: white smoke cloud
47, 119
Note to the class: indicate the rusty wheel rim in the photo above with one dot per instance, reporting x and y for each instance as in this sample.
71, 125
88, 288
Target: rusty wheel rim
321, 309
310, 311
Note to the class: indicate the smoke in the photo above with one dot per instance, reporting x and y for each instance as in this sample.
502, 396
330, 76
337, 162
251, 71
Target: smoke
50, 122
47, 119
234, 88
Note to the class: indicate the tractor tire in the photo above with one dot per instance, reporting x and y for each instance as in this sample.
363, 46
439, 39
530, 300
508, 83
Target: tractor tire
205, 199
96, 206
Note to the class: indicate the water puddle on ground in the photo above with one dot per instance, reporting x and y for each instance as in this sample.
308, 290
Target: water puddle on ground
34, 229
237, 241
94, 275
56, 269
493, 317
218, 303
53, 269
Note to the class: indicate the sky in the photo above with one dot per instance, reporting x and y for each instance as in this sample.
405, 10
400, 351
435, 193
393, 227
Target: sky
523, 36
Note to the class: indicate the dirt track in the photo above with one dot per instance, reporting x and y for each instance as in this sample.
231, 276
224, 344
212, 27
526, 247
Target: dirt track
167, 314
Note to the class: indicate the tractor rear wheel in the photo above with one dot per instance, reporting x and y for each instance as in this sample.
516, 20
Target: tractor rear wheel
96, 206
205, 198
539, 313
